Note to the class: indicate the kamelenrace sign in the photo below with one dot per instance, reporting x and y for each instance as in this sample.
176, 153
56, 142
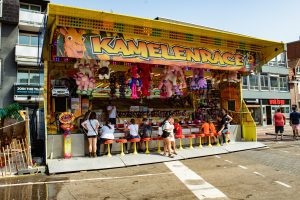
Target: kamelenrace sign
76, 43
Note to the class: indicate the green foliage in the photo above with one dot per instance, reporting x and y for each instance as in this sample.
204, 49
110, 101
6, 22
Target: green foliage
10, 111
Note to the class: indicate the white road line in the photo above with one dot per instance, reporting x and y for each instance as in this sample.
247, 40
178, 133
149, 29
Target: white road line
243, 167
281, 183
228, 161
259, 174
194, 182
83, 180
218, 156
284, 151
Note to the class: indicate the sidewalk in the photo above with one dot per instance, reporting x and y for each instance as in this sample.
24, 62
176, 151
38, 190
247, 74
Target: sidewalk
265, 133
104, 162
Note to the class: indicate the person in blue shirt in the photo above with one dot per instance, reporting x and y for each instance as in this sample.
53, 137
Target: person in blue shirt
294, 121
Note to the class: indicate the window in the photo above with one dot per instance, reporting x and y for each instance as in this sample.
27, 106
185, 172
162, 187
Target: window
298, 70
30, 7
283, 84
1, 3
28, 39
245, 82
29, 76
253, 80
274, 83
264, 82
0, 73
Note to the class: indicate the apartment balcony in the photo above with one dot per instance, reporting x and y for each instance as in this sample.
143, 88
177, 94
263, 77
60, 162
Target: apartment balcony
27, 55
26, 93
30, 21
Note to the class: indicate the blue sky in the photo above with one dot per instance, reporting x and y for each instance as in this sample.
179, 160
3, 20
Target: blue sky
277, 20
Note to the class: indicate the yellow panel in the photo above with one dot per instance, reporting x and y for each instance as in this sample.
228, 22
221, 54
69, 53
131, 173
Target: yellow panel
59, 15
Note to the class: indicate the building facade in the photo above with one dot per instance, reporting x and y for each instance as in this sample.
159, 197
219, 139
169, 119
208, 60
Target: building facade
293, 54
9, 19
268, 90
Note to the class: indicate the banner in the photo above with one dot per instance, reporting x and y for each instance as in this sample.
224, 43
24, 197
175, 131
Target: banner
77, 43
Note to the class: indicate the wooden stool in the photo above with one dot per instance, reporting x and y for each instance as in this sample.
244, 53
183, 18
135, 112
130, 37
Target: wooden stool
108, 142
147, 141
200, 136
209, 138
180, 140
122, 141
134, 140
191, 136
158, 143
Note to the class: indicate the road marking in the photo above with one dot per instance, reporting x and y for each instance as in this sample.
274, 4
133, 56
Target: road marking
281, 183
284, 151
194, 182
83, 180
218, 156
259, 174
243, 167
228, 161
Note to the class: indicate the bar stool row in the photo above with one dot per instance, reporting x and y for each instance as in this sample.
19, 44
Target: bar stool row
158, 139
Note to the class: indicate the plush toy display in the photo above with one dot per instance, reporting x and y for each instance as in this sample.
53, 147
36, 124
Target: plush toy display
134, 82
85, 80
169, 81
145, 76
198, 82
112, 85
104, 71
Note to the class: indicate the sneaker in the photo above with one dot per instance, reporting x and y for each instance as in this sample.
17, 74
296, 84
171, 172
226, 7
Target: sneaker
171, 156
175, 153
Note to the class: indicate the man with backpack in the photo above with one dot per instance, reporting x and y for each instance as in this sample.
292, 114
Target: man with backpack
294, 121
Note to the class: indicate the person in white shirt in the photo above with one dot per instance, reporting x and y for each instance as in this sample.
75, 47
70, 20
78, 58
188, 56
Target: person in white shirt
91, 125
106, 133
133, 129
167, 127
171, 136
112, 113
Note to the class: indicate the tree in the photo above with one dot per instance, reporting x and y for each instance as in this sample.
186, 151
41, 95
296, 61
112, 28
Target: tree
10, 111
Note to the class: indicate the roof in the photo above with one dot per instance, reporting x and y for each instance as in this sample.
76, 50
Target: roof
59, 15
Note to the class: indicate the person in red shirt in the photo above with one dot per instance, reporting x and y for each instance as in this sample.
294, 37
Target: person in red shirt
279, 121
177, 127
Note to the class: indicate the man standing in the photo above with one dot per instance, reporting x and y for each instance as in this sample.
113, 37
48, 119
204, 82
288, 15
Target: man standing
294, 121
112, 113
279, 121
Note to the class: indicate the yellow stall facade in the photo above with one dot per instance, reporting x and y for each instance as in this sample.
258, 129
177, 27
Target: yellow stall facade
202, 56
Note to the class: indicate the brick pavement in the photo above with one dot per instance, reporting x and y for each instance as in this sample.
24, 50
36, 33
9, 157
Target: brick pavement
265, 133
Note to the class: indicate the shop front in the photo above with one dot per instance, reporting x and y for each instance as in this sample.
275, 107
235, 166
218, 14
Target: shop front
263, 110
147, 69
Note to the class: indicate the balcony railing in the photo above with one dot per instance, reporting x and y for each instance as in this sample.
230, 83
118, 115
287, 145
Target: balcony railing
28, 92
30, 21
27, 55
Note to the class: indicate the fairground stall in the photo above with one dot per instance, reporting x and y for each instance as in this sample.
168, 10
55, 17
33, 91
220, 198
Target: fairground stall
147, 68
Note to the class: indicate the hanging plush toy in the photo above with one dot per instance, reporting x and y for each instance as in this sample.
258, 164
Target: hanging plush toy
112, 85
145, 76
122, 85
85, 80
232, 77
104, 71
134, 82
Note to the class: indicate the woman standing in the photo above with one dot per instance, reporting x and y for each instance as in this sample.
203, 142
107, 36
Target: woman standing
92, 125
167, 127
279, 121
107, 133
226, 119
172, 137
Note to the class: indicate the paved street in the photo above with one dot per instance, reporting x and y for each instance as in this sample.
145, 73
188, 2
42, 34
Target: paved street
270, 173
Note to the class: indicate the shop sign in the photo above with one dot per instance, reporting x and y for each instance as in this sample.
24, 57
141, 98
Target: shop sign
28, 90
275, 101
120, 47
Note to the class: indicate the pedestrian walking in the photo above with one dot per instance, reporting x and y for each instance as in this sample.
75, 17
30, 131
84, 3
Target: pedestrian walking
279, 122
295, 121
